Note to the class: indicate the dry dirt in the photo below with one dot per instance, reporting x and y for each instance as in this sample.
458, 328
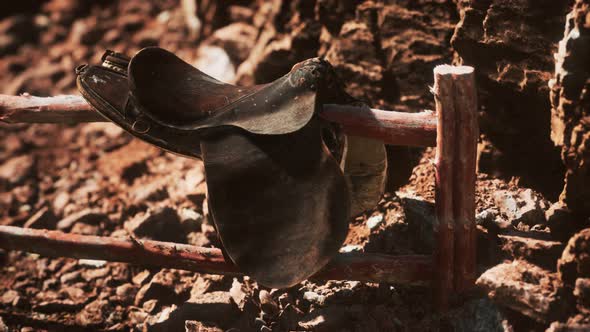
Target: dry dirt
96, 179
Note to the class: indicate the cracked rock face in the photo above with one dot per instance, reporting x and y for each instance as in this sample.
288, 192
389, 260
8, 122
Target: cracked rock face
511, 43
570, 101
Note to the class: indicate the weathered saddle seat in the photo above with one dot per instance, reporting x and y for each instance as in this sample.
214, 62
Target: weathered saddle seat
179, 96
277, 192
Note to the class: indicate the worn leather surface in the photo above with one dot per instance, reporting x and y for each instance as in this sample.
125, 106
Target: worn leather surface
280, 203
177, 95
107, 90
282, 183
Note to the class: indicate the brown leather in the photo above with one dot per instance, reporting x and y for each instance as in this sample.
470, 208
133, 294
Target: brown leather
280, 203
278, 196
179, 96
106, 88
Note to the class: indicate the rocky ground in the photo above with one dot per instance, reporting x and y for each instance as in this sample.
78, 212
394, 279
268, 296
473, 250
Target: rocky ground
533, 250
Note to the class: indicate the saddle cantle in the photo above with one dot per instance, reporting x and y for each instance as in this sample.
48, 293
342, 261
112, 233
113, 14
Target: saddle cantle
277, 192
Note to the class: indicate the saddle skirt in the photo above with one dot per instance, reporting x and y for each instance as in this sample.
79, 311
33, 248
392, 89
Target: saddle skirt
282, 183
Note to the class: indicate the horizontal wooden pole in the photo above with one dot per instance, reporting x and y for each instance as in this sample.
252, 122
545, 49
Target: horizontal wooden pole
410, 269
393, 128
58, 109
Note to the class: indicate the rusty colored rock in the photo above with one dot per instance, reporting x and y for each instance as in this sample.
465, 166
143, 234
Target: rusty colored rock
570, 114
511, 44
575, 260
527, 289
15, 170
128, 162
543, 253
161, 224
582, 294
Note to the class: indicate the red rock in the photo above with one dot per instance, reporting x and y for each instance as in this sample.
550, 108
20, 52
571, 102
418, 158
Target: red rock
575, 260
570, 114
86, 216
527, 289
237, 39
94, 313
15, 170
161, 224
128, 162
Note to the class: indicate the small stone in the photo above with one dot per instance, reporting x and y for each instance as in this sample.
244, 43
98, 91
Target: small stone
60, 202
8, 297
15, 170
192, 187
151, 306
85, 229
126, 292
540, 252
527, 289
561, 222
525, 207
168, 286
314, 298
91, 263
128, 162
150, 192
267, 303
42, 219
575, 259
582, 294
86, 216
94, 313
198, 239
490, 219
374, 221
351, 248
156, 290
237, 39
50, 284
190, 220
137, 316
71, 277
93, 274
141, 278
162, 224
214, 307
238, 293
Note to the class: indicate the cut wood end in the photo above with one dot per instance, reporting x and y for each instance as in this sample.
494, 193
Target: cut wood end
453, 70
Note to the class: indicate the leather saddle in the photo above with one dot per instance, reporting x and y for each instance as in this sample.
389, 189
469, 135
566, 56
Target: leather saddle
282, 183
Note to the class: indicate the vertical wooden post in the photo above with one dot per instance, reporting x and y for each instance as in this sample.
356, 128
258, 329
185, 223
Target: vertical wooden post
445, 146
467, 134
